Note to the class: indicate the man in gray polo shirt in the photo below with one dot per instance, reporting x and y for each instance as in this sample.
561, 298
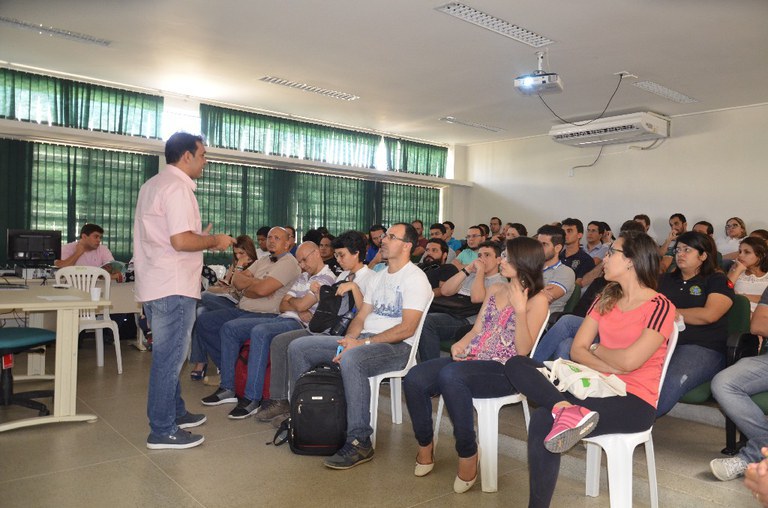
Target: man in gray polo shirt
558, 278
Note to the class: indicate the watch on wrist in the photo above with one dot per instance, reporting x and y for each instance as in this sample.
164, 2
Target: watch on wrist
367, 341
465, 272
594, 347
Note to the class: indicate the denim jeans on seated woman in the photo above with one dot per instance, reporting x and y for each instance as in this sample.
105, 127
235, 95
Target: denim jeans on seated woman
558, 339
690, 366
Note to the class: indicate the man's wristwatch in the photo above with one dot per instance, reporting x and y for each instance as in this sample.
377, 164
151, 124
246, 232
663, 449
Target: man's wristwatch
367, 341
465, 272
594, 347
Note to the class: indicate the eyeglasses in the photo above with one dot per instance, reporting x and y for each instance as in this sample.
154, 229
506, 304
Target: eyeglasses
732, 226
393, 237
474, 236
684, 250
302, 260
612, 250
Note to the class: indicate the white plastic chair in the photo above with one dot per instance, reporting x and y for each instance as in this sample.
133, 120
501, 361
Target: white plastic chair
84, 278
395, 381
619, 449
488, 427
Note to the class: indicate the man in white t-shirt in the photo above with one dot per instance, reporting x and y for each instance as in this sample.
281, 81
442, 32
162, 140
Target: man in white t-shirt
378, 340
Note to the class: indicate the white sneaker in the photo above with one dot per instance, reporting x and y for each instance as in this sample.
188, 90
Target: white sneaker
728, 469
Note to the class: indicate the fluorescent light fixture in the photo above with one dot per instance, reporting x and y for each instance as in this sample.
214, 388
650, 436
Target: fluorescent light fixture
663, 91
494, 24
467, 123
309, 88
55, 32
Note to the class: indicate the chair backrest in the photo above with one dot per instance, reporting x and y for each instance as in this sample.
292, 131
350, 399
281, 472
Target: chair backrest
84, 278
541, 332
573, 300
739, 315
671, 345
417, 336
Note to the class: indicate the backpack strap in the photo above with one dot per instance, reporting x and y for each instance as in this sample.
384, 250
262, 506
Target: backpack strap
281, 436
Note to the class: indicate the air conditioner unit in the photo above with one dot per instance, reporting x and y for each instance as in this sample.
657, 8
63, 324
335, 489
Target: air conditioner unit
632, 128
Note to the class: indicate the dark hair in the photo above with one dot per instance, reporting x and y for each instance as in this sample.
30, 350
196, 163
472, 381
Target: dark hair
760, 233
519, 227
441, 243
644, 253
419, 221
485, 228
179, 144
291, 236
526, 255
631, 225
761, 251
451, 224
480, 228
600, 226
574, 222
704, 245
89, 229
376, 227
323, 230
263, 231
438, 226
313, 235
554, 232
410, 236
496, 246
644, 218
353, 241
678, 216
708, 225
245, 242
498, 219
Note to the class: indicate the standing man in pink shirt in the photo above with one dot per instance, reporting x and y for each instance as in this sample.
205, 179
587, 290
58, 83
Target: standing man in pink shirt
168, 247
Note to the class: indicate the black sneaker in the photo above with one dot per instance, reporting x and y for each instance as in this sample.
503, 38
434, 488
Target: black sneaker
221, 396
271, 408
244, 409
190, 420
179, 441
350, 455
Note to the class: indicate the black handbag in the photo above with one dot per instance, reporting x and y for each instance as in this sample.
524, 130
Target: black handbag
456, 305
330, 309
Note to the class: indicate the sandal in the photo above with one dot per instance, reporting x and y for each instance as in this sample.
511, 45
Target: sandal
198, 375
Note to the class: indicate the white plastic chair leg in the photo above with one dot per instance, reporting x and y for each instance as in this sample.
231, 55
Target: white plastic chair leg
488, 443
396, 396
99, 347
650, 459
374, 407
594, 457
619, 459
118, 354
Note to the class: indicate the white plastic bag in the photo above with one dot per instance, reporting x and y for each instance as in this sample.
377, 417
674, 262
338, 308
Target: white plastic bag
582, 381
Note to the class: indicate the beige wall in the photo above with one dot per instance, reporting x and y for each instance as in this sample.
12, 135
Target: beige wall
714, 166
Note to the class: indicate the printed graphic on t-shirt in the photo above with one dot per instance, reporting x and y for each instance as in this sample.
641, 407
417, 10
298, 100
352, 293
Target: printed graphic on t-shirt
388, 303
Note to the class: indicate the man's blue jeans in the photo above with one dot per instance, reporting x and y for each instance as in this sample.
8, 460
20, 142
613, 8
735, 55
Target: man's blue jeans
261, 334
732, 389
171, 319
555, 341
209, 324
458, 383
208, 302
437, 326
690, 366
357, 365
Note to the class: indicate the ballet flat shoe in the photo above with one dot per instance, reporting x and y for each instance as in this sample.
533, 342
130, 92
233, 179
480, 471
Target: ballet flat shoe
423, 469
461, 486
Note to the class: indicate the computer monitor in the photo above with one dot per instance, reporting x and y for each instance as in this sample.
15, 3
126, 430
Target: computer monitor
34, 247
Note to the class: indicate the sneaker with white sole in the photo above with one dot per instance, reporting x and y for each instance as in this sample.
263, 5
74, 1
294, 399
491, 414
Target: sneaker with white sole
190, 420
245, 408
728, 469
350, 455
181, 440
572, 423
271, 408
220, 396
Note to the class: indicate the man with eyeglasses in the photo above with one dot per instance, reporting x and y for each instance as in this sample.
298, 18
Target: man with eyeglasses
296, 309
677, 226
475, 236
378, 340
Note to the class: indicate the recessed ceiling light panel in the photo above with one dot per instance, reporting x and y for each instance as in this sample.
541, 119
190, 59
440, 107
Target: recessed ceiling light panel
663, 91
55, 32
467, 123
494, 24
309, 88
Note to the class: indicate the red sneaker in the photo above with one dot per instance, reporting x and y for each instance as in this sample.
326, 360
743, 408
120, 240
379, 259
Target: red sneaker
571, 424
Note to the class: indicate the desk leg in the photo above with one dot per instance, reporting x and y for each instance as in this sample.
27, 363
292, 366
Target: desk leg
35, 361
65, 386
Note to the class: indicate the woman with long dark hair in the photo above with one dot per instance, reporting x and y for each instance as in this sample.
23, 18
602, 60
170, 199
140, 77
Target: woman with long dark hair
749, 273
634, 323
507, 325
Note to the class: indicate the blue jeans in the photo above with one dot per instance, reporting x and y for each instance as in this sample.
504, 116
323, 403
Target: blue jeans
458, 383
208, 302
437, 326
278, 356
732, 389
556, 341
357, 365
209, 324
689, 367
171, 318
261, 333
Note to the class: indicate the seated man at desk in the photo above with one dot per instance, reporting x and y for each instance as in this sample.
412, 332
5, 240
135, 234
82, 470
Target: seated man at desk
87, 251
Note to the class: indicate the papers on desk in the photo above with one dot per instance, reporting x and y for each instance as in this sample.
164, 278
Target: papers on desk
62, 298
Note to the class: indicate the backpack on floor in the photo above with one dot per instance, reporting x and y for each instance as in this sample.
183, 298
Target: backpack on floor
318, 422
241, 372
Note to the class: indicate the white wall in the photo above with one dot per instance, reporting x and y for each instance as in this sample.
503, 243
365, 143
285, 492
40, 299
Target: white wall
714, 166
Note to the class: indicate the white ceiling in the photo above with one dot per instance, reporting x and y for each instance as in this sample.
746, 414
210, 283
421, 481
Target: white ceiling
410, 64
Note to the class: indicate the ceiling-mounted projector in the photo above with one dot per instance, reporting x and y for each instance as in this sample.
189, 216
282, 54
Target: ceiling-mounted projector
539, 82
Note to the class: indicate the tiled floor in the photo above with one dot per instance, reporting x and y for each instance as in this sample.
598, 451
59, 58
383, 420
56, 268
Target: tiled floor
107, 464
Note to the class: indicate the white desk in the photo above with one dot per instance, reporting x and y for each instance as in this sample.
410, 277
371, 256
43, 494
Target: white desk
65, 383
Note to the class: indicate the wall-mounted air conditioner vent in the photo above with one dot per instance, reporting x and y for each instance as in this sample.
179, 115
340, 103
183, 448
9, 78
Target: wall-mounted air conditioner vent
632, 128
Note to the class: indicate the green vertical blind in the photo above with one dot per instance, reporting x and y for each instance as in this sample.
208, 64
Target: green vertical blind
418, 158
67, 103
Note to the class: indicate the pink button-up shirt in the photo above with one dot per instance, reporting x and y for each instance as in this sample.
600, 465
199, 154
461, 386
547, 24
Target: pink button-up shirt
166, 206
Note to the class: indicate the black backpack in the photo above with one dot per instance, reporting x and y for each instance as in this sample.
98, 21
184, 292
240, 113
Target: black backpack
318, 421
330, 309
